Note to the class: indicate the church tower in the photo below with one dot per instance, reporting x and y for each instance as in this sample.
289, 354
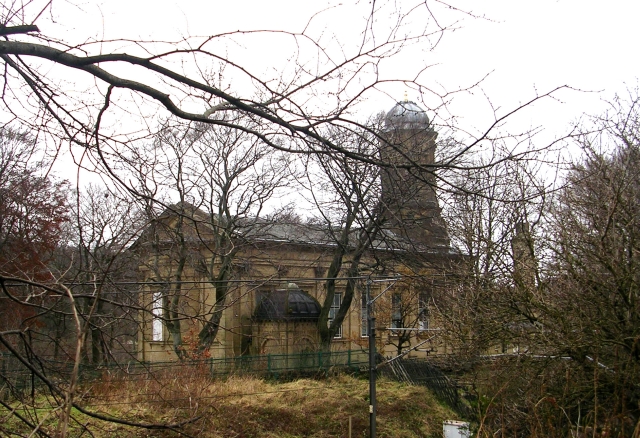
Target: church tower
408, 185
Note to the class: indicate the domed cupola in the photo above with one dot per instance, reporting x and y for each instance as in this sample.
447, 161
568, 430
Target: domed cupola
406, 115
413, 213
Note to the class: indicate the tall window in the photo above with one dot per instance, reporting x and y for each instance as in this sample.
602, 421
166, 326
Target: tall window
156, 310
364, 317
396, 310
423, 309
335, 306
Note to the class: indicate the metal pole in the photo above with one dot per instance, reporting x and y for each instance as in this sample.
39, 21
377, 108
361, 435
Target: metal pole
372, 363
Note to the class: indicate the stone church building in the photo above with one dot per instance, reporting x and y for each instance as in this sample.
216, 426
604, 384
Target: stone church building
273, 293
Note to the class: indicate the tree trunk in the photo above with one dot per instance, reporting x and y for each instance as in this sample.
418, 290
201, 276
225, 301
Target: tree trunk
210, 330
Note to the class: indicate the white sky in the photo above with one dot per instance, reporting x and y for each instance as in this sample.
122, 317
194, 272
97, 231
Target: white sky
525, 47
536, 46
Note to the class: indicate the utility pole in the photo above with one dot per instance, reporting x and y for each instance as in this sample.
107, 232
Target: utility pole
373, 367
371, 320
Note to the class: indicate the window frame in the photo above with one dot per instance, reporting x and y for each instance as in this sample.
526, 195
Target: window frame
423, 311
157, 328
335, 307
396, 311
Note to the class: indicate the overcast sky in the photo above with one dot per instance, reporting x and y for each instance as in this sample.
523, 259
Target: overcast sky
520, 48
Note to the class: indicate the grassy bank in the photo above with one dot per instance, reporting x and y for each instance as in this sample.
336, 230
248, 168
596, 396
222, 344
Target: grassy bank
245, 407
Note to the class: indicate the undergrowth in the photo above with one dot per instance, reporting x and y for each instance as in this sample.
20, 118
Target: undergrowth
241, 406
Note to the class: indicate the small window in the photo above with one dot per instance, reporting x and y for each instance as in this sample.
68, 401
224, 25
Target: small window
335, 306
423, 309
396, 311
156, 310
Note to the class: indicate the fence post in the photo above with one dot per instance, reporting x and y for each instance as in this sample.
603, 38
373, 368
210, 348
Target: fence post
269, 362
349, 358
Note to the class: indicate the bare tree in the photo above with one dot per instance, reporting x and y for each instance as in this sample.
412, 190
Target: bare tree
98, 267
346, 193
405, 312
495, 219
290, 115
594, 315
293, 111
552, 296
223, 178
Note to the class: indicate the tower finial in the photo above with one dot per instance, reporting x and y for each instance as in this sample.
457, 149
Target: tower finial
406, 98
